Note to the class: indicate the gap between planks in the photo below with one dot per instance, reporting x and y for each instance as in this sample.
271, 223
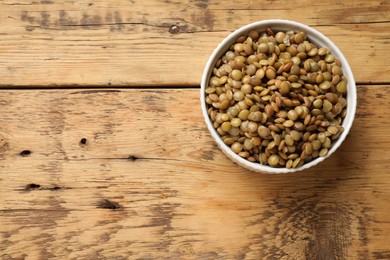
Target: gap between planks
113, 88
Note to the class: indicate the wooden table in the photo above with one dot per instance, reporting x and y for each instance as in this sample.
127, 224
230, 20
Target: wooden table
104, 153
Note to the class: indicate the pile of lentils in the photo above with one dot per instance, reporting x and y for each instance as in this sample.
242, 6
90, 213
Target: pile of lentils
277, 99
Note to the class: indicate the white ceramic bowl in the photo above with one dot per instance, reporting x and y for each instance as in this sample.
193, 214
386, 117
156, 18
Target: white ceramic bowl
315, 37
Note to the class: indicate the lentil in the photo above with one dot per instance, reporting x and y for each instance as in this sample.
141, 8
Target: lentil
273, 160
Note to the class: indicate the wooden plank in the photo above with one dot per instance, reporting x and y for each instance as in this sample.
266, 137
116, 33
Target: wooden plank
130, 43
148, 182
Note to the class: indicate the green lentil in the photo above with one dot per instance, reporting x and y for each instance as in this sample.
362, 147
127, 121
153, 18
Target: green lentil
336, 70
243, 115
296, 162
225, 117
317, 103
322, 51
236, 122
327, 143
255, 116
236, 74
264, 132
238, 96
342, 87
270, 74
323, 152
295, 135
236, 147
292, 115
254, 35
333, 130
337, 109
252, 126
308, 148
273, 160
316, 144
288, 123
289, 164
289, 140
329, 58
228, 141
284, 88
327, 106
325, 85
226, 126
248, 145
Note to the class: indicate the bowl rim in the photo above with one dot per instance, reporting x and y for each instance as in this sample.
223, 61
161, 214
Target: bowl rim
315, 36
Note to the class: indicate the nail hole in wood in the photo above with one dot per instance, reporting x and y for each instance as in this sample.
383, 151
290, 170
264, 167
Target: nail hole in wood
25, 153
107, 204
83, 141
132, 158
174, 29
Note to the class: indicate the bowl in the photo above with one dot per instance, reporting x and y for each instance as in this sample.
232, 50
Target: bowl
313, 36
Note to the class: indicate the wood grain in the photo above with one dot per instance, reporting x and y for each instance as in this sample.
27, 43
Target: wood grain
122, 173
133, 43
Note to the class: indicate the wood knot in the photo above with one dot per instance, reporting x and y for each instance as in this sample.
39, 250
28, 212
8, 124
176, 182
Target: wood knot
174, 29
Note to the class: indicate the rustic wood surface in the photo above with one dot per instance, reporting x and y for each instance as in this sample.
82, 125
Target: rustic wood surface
97, 164
165, 43
140, 177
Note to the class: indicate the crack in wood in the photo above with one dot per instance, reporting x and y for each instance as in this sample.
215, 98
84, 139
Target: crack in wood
182, 29
131, 158
359, 23
61, 26
106, 88
96, 91
122, 23
34, 186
